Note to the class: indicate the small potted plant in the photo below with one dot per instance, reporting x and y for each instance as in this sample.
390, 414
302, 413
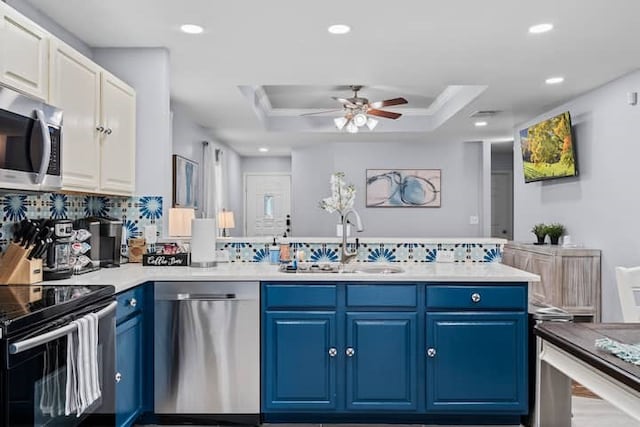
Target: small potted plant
540, 230
554, 231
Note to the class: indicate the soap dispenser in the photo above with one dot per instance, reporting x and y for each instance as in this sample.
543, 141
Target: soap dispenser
274, 252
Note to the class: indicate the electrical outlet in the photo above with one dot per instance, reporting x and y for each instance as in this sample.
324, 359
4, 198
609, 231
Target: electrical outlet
223, 255
444, 256
473, 220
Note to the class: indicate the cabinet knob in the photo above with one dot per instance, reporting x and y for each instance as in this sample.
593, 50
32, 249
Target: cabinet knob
100, 129
431, 352
333, 352
350, 352
475, 297
108, 131
118, 377
133, 302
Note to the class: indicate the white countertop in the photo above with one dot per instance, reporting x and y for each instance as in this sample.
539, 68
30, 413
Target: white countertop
130, 275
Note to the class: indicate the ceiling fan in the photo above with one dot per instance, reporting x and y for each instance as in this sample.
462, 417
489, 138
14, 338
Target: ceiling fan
357, 111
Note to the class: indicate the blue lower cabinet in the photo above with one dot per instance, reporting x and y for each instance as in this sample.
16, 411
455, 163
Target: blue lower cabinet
476, 362
381, 361
129, 336
299, 361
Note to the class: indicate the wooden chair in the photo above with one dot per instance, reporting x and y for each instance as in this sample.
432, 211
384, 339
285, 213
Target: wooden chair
628, 286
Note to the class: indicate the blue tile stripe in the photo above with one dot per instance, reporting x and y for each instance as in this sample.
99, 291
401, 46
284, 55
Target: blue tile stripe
136, 212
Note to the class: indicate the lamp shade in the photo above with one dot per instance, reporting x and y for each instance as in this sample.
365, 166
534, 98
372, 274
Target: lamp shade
180, 222
226, 219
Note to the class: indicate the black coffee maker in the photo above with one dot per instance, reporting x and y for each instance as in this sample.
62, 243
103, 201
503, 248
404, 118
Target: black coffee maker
57, 263
105, 240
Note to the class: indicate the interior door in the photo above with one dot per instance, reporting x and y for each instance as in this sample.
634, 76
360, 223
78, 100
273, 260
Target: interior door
267, 204
502, 205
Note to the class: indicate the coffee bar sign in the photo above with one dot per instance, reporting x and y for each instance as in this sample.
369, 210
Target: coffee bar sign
161, 260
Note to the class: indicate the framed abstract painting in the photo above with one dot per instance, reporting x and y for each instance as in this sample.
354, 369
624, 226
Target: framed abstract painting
416, 188
185, 182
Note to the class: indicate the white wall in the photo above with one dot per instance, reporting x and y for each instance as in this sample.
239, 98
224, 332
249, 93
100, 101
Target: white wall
266, 164
147, 71
187, 142
461, 165
50, 25
599, 207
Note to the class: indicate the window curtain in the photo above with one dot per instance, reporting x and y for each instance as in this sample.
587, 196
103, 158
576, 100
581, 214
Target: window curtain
214, 185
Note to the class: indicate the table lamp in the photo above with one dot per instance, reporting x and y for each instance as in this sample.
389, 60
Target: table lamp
180, 222
226, 221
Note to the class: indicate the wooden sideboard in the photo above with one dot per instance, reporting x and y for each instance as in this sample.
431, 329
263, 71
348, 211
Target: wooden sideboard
569, 277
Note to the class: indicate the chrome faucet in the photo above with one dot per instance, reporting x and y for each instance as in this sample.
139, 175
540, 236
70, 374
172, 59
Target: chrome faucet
345, 255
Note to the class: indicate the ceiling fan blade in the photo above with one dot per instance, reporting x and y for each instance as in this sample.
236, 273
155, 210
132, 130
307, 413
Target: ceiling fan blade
385, 114
388, 103
344, 101
323, 112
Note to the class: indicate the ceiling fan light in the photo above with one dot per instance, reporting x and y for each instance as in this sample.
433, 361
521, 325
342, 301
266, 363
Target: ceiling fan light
340, 122
352, 128
360, 119
372, 123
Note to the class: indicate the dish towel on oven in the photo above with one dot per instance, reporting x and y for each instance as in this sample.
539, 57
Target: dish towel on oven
83, 385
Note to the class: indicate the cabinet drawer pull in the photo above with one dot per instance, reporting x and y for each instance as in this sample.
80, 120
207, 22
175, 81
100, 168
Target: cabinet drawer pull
350, 352
431, 352
118, 377
100, 129
475, 297
109, 131
333, 352
133, 302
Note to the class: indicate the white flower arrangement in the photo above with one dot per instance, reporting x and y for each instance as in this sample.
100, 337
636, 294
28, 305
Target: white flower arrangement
342, 197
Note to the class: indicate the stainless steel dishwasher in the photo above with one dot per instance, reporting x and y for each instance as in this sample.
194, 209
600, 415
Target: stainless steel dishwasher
207, 352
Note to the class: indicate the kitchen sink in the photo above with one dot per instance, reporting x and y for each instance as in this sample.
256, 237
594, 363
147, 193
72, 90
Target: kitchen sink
378, 269
337, 268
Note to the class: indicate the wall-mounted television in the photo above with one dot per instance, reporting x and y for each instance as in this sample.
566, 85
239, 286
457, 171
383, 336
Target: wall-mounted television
548, 149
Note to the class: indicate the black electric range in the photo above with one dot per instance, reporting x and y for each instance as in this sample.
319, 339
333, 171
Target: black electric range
30, 306
35, 321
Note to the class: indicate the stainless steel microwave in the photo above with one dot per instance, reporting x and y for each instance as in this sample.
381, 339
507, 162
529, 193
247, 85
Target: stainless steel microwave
30, 143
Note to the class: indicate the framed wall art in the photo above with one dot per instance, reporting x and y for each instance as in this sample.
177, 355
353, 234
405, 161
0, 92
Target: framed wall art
185, 182
416, 188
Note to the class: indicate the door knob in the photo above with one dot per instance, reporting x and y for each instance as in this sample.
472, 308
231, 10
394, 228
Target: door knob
431, 352
118, 377
350, 352
333, 352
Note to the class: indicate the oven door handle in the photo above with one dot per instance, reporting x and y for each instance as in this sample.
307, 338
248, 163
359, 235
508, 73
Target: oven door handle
30, 343
46, 147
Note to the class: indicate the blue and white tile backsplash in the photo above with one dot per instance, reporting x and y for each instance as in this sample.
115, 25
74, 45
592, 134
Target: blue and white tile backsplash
139, 211
400, 252
136, 212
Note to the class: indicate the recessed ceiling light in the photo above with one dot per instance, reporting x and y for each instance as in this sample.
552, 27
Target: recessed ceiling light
339, 29
191, 29
263, 149
481, 124
540, 28
554, 80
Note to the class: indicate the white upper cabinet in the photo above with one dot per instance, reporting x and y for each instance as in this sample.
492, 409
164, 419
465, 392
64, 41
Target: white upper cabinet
75, 88
118, 155
99, 111
24, 54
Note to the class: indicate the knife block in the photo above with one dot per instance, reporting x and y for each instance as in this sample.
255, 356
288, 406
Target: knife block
16, 269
